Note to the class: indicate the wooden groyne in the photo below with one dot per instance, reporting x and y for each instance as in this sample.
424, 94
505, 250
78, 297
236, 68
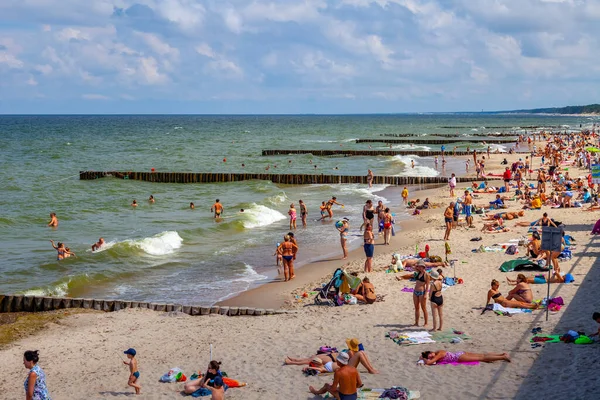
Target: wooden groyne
503, 134
23, 303
437, 141
287, 179
363, 153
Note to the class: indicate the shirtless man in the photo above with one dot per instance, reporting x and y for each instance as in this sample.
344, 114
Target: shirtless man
217, 208
53, 220
346, 381
96, 246
330, 204
467, 204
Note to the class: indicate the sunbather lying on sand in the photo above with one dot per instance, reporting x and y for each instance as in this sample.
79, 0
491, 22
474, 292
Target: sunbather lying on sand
504, 215
494, 294
412, 262
357, 356
539, 279
432, 357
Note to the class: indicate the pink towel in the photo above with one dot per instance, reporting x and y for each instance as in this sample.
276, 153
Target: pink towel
458, 363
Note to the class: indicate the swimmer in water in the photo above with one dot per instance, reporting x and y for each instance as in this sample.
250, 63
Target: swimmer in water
60, 250
96, 246
412, 163
217, 208
69, 253
134, 203
151, 199
53, 220
241, 210
192, 206
330, 204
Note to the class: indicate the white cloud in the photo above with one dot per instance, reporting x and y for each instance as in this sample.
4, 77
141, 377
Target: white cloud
204, 49
188, 14
149, 72
233, 20
226, 68
158, 46
94, 96
31, 81
10, 60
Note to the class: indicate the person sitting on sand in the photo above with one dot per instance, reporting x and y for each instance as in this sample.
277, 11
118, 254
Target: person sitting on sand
494, 226
596, 317
212, 372
534, 248
217, 391
97, 245
357, 356
425, 206
366, 292
346, 381
521, 291
540, 279
494, 294
433, 357
413, 203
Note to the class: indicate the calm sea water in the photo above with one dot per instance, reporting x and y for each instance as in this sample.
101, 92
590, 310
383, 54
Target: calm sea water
165, 251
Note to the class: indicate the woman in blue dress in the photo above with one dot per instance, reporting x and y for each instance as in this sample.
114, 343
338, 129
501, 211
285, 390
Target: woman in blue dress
35, 384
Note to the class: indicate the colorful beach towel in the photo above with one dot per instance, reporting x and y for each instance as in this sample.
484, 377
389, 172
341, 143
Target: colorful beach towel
498, 307
448, 335
372, 394
410, 338
469, 363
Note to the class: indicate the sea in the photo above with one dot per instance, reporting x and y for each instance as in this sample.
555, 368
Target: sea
167, 252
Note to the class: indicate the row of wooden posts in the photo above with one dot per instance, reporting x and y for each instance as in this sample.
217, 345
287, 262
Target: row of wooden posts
24, 303
289, 179
502, 134
367, 153
437, 141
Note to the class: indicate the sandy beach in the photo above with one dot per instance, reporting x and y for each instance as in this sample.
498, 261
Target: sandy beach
81, 354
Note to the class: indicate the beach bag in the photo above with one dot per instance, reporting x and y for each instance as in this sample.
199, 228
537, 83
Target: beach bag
512, 250
435, 258
502, 189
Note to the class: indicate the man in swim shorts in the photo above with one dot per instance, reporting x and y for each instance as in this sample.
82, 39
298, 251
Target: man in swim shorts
217, 208
467, 204
346, 381
98, 245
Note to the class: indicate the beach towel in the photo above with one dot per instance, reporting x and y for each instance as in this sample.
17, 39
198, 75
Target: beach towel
448, 335
371, 394
521, 265
202, 392
410, 338
498, 307
469, 363
582, 339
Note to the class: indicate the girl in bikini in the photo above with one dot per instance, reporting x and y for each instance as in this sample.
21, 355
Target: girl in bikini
421, 289
343, 234
522, 291
436, 300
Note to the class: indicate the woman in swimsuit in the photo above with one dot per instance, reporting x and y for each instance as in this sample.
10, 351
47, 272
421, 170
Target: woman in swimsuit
61, 252
368, 214
421, 289
521, 291
366, 292
545, 221
432, 357
369, 247
53, 220
343, 233
380, 211
212, 372
436, 300
303, 212
292, 214
287, 249
370, 178
387, 226
494, 294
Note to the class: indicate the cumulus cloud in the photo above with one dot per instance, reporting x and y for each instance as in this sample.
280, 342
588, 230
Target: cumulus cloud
402, 55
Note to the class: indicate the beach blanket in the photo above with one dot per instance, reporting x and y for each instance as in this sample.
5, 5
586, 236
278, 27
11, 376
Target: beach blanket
410, 338
448, 335
372, 393
499, 308
521, 265
458, 363
582, 339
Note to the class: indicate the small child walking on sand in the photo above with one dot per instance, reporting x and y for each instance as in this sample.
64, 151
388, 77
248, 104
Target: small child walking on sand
134, 374
405, 195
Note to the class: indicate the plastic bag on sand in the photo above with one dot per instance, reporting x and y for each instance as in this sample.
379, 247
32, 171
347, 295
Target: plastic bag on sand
174, 375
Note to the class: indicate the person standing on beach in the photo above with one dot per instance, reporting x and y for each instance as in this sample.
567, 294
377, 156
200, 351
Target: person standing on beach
287, 249
474, 156
420, 292
343, 227
217, 208
370, 178
35, 383
436, 300
53, 220
404, 196
452, 184
467, 206
134, 374
380, 210
330, 204
448, 217
368, 214
292, 214
506, 176
387, 226
303, 212
369, 247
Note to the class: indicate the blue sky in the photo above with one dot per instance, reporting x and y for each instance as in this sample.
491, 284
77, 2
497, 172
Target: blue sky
312, 56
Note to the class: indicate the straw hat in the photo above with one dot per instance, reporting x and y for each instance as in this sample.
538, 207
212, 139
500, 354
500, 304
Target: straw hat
353, 344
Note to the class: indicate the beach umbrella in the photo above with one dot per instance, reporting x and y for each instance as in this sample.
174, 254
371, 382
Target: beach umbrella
592, 149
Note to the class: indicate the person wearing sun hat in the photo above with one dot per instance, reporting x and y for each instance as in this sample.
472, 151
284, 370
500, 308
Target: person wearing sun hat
346, 380
358, 355
436, 300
